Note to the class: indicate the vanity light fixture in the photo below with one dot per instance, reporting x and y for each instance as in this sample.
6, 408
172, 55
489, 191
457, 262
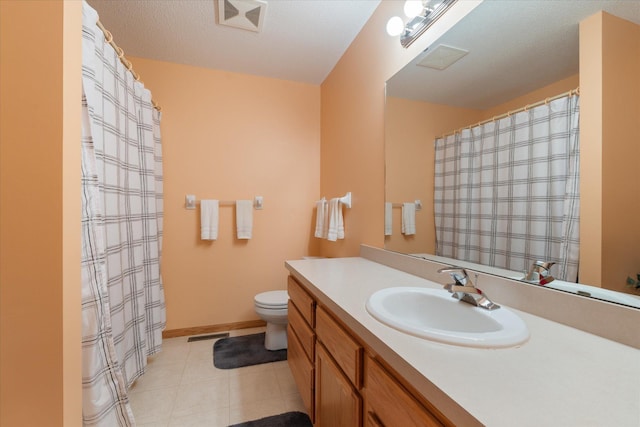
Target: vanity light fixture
421, 14
413, 8
395, 26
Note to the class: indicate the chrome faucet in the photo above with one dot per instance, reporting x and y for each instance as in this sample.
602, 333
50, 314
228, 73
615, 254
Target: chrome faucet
464, 289
539, 273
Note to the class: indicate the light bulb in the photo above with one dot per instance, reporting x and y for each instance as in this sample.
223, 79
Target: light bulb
412, 8
395, 26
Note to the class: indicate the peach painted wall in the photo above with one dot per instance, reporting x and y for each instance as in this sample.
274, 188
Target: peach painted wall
352, 120
540, 94
410, 130
610, 131
232, 136
40, 338
621, 156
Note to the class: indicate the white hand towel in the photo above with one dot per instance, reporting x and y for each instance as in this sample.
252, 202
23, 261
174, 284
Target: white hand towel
244, 218
388, 219
209, 219
336, 222
322, 217
340, 221
408, 219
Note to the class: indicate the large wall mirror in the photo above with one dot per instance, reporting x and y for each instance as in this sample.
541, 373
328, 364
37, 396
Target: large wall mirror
508, 55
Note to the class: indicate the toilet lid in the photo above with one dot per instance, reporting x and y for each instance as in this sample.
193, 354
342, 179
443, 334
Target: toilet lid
272, 299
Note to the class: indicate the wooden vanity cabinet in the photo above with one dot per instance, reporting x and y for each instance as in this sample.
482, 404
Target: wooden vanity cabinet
301, 343
345, 350
388, 403
338, 374
338, 403
303, 333
340, 385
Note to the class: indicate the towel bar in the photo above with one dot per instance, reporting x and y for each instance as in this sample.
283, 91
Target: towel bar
417, 202
190, 202
345, 200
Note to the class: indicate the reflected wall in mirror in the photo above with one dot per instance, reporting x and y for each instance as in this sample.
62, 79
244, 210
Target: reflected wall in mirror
521, 52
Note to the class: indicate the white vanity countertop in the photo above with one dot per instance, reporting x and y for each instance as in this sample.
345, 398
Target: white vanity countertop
560, 377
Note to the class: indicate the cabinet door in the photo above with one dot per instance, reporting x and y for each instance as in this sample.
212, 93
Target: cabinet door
388, 404
338, 404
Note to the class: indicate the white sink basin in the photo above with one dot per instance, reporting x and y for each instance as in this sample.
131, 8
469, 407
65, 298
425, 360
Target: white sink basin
433, 314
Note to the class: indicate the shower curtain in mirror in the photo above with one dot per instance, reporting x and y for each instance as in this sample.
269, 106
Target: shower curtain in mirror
123, 311
507, 192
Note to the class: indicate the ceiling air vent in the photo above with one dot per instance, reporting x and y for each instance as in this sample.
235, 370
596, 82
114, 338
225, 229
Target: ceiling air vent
243, 14
442, 57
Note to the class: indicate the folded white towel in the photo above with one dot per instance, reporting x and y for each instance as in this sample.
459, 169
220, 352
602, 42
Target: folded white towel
388, 219
209, 219
336, 222
408, 219
322, 219
244, 218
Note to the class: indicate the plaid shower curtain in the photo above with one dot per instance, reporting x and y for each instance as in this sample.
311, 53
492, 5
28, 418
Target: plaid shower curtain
123, 308
507, 192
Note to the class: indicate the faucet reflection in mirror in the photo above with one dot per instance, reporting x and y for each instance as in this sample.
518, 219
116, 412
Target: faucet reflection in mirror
422, 14
539, 273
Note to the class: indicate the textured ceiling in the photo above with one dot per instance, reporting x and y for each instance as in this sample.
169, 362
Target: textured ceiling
301, 40
515, 46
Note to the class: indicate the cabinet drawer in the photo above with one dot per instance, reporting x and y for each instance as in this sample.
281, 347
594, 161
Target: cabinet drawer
387, 403
302, 371
303, 301
302, 330
345, 350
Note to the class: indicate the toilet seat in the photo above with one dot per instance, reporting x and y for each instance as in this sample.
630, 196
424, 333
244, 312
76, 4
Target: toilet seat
272, 300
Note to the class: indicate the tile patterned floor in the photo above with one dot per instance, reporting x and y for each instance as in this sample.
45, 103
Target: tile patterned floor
183, 388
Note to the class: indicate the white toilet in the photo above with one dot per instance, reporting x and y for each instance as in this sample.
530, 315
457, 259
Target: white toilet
272, 308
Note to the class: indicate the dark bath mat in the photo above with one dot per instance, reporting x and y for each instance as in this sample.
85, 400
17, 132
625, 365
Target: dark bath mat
288, 419
245, 350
